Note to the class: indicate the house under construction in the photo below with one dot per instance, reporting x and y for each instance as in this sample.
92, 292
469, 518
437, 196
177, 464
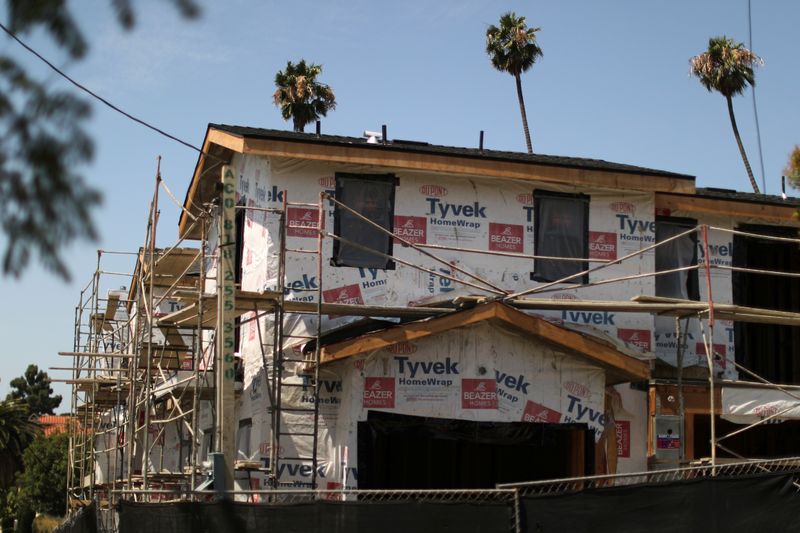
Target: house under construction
345, 315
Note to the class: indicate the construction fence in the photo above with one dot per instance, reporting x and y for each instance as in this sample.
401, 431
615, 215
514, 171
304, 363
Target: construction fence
749, 496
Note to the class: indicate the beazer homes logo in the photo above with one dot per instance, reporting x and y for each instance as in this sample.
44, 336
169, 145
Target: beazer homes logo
327, 182
379, 393
412, 229
641, 338
525, 198
349, 294
505, 237
478, 394
623, 207
402, 348
602, 245
535, 412
302, 222
719, 353
436, 191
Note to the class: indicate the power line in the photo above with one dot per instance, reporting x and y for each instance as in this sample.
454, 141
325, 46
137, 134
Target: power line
755, 108
98, 97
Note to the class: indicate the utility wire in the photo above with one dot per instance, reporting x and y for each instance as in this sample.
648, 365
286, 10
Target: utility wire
755, 108
98, 97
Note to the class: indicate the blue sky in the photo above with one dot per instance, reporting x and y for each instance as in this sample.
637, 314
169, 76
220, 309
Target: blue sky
613, 84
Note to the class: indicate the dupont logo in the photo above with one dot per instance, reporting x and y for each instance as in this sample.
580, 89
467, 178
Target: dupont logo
505, 237
478, 394
623, 207
765, 410
249, 214
563, 296
641, 338
577, 389
436, 191
622, 431
602, 245
379, 393
538, 413
402, 348
412, 229
525, 198
327, 182
719, 353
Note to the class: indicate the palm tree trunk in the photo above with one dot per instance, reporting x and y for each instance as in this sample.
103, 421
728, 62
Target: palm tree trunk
522, 112
741, 146
299, 125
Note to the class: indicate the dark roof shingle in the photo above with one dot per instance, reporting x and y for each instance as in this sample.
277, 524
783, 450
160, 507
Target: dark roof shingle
425, 148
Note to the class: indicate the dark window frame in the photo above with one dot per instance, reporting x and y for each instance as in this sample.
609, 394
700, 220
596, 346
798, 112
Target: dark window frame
341, 178
540, 195
693, 281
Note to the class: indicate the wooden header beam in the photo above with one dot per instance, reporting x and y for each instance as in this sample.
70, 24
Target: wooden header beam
738, 209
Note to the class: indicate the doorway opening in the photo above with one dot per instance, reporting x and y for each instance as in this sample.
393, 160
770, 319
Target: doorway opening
411, 452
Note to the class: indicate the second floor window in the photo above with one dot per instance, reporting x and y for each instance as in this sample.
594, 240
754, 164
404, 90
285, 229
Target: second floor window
677, 253
373, 197
561, 225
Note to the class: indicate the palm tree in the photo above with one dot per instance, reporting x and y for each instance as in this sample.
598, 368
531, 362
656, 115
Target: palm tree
792, 169
512, 48
300, 96
727, 67
17, 430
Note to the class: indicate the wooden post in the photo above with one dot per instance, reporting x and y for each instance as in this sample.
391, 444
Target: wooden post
224, 373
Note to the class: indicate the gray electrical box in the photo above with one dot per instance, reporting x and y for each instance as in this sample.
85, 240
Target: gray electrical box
667, 439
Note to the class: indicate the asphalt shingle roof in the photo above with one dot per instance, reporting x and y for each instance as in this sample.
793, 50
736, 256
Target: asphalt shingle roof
425, 148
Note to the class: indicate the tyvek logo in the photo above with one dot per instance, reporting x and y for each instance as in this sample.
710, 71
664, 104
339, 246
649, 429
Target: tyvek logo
478, 394
505, 237
433, 190
602, 245
592, 318
641, 338
634, 229
379, 392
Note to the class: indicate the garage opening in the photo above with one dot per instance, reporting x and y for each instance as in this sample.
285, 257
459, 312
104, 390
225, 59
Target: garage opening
410, 452
771, 351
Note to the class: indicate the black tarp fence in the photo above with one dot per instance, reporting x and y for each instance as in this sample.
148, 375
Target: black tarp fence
759, 502
753, 503
331, 517
83, 521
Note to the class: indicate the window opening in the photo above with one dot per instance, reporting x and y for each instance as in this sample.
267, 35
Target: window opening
373, 197
561, 226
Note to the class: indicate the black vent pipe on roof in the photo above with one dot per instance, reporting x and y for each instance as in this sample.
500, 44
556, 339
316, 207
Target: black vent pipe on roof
480, 143
383, 133
319, 128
